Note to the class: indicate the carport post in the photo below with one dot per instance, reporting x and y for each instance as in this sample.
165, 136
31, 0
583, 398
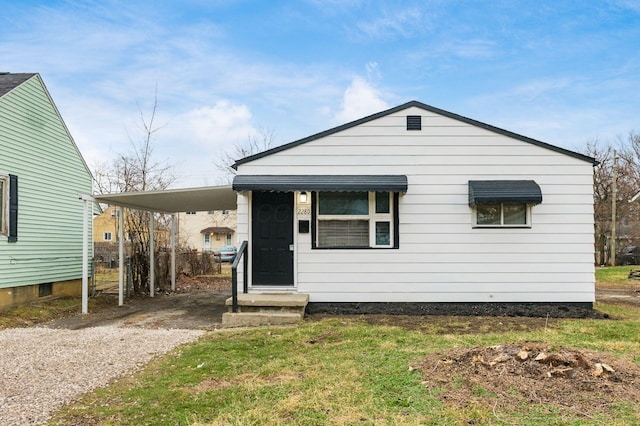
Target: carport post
121, 256
152, 255
173, 252
85, 252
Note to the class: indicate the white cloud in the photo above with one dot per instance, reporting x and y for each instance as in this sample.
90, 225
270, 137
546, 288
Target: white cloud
373, 70
359, 100
633, 5
403, 23
473, 48
222, 124
195, 139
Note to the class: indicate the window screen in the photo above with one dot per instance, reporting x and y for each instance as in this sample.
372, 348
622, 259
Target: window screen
343, 233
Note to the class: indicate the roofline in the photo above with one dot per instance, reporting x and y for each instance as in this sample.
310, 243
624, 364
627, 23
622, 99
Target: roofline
426, 108
73, 141
57, 111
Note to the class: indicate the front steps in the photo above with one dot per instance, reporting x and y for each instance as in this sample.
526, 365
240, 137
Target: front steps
266, 309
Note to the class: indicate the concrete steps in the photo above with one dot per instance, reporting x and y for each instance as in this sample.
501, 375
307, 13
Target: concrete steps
266, 309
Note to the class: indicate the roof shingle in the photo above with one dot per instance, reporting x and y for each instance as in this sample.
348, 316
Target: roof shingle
9, 81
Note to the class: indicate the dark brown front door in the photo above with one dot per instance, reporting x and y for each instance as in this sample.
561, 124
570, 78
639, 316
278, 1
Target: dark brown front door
272, 238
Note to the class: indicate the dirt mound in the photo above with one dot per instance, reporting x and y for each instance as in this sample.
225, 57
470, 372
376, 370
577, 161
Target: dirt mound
191, 284
504, 377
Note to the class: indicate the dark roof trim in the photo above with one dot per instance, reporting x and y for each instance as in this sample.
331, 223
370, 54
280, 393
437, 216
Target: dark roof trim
426, 108
482, 192
328, 183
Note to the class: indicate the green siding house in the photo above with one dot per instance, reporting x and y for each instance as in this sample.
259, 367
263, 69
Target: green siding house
41, 174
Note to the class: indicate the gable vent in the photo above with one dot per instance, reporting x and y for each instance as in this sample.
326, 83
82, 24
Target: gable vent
414, 122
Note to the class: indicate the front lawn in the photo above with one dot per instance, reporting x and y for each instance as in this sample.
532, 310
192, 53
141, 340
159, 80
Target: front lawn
344, 370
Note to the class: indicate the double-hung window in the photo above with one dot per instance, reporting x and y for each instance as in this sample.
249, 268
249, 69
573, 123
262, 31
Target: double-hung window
355, 220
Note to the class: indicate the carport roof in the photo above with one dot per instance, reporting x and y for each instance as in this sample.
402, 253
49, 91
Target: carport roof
175, 200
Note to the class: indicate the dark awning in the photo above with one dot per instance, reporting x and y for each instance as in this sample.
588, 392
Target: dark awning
328, 183
504, 191
222, 230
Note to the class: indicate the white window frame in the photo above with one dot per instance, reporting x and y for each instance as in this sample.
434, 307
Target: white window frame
4, 211
372, 218
107, 236
502, 224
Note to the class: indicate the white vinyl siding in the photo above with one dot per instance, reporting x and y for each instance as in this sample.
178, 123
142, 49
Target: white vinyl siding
442, 257
37, 147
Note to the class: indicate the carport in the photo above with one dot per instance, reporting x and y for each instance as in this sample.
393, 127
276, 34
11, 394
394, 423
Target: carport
169, 201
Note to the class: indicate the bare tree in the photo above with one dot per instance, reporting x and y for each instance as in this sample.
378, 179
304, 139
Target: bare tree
627, 183
254, 144
138, 170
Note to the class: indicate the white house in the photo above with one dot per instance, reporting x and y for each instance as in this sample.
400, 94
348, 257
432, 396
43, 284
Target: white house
417, 204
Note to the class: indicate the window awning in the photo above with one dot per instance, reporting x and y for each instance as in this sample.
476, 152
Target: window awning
328, 183
222, 230
504, 191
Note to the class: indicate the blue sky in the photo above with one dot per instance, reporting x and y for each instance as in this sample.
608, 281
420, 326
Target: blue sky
564, 72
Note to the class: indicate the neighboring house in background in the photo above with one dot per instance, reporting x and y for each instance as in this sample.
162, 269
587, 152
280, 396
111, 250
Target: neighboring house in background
417, 204
41, 174
208, 230
106, 226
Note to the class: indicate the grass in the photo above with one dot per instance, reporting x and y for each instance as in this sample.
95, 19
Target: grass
615, 275
41, 311
37, 313
333, 372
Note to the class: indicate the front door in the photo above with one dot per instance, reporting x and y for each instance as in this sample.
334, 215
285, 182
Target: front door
207, 242
272, 238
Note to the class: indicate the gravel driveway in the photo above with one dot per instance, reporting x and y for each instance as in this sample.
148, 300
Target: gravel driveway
44, 368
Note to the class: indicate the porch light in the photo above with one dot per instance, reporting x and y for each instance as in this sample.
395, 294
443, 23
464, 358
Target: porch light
303, 197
